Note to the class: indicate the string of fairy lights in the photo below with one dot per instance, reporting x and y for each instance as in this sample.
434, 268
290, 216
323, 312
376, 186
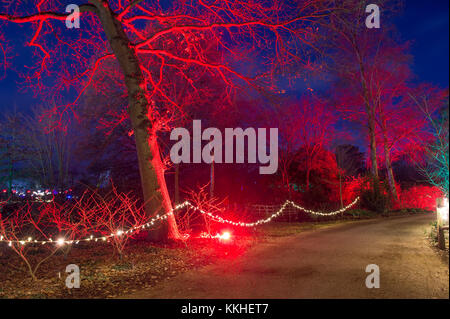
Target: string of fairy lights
62, 241
268, 219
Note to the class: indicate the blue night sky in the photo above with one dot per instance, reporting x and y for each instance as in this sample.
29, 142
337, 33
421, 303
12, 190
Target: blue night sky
425, 23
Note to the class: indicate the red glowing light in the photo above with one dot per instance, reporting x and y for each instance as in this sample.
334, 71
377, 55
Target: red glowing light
225, 236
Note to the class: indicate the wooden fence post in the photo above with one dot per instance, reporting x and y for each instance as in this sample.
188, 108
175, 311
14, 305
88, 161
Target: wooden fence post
439, 226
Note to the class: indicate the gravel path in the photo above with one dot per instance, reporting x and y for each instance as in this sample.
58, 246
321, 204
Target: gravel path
325, 263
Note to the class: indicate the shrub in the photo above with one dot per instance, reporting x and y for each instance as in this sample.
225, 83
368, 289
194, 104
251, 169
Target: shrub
422, 197
375, 197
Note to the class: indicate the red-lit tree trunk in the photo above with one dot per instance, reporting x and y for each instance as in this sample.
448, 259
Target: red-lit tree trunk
177, 184
287, 182
390, 172
353, 50
340, 189
151, 167
370, 110
308, 176
387, 157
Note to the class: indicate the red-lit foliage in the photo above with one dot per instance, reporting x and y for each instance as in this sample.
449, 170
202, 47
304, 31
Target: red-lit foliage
197, 225
102, 217
24, 223
5, 56
352, 188
420, 197
400, 124
305, 129
156, 47
112, 215
192, 221
374, 87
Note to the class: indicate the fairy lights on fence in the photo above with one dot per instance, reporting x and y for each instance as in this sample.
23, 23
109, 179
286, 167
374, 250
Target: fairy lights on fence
274, 215
62, 241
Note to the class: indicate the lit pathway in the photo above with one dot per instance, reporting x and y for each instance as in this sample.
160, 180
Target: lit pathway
324, 263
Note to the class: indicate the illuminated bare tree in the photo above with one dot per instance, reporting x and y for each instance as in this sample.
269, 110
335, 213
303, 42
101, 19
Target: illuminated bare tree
146, 39
435, 166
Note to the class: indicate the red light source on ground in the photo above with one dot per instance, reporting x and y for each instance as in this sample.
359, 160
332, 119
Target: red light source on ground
225, 236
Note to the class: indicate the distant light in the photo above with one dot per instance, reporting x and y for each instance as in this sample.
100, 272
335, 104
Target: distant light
60, 241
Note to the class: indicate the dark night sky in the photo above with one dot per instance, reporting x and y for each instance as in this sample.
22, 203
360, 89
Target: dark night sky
425, 23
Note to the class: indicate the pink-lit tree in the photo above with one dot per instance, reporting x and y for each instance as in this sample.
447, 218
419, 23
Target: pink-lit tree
147, 41
44, 222
350, 49
115, 216
306, 124
315, 129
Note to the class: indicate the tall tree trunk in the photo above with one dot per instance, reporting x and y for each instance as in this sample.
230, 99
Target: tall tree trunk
177, 183
340, 187
387, 156
288, 183
373, 155
308, 173
373, 145
285, 178
212, 173
151, 168
211, 191
390, 172
370, 110
10, 175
